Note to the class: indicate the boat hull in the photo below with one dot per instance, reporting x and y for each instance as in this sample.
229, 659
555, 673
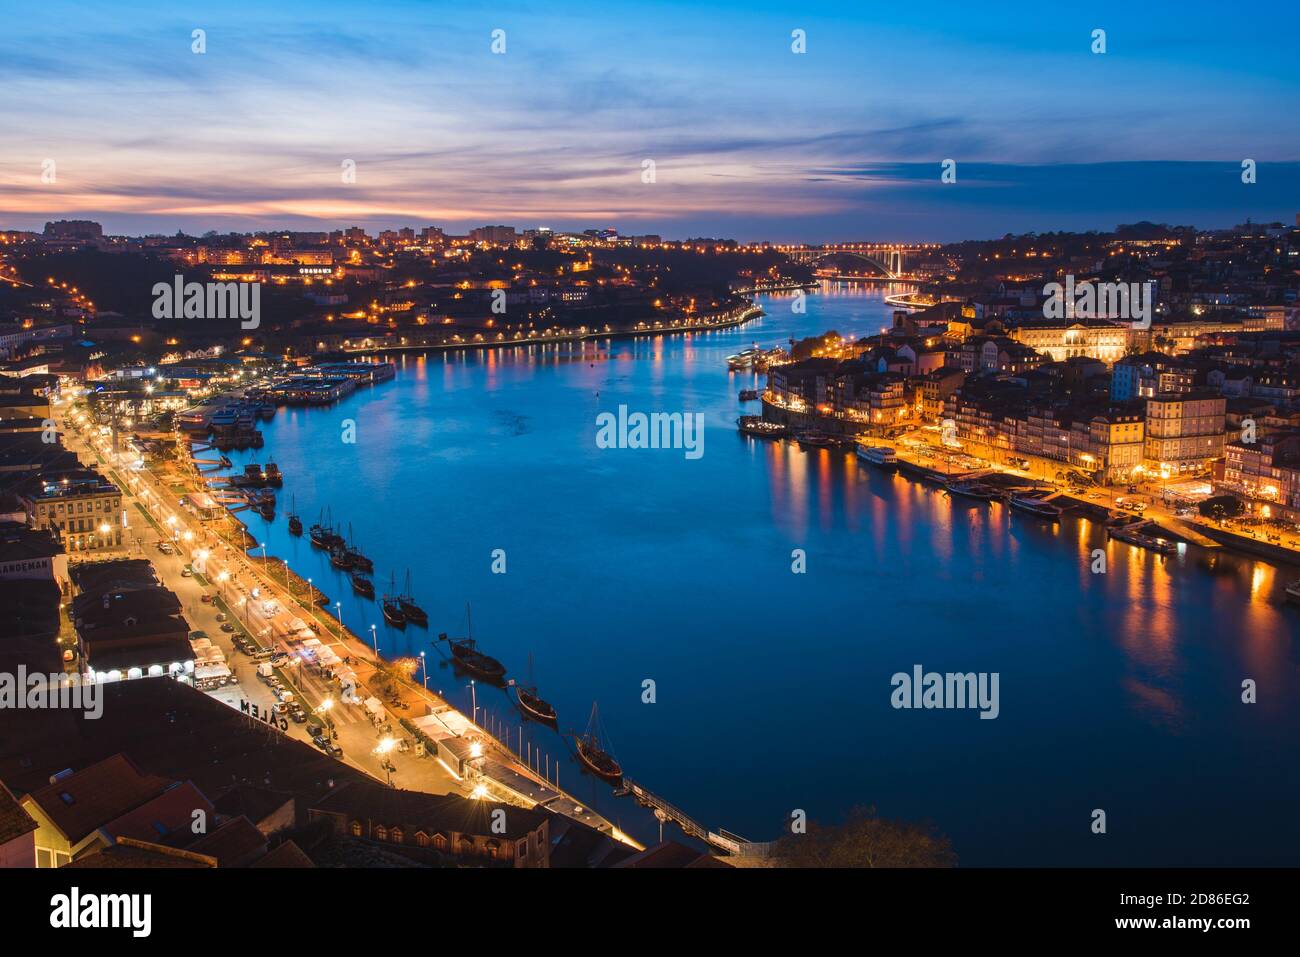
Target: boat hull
594, 765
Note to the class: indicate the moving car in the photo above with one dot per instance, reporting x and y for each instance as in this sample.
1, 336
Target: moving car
227, 626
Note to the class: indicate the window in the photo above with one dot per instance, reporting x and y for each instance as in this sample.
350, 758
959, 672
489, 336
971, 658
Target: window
356, 828
440, 842
421, 839
396, 835
381, 833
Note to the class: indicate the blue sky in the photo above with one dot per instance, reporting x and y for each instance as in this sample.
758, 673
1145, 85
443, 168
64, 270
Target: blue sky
749, 139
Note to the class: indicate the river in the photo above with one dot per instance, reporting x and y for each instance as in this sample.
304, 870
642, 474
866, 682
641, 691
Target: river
1120, 691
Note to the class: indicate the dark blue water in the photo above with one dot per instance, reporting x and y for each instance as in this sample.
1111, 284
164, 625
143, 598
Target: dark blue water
1119, 691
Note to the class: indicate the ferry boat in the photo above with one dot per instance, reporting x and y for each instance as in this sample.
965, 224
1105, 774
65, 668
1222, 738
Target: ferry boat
759, 427
1035, 506
881, 456
267, 410
363, 586
593, 755
748, 395
966, 489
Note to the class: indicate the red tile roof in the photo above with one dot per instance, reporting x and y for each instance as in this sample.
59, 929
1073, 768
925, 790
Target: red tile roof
93, 796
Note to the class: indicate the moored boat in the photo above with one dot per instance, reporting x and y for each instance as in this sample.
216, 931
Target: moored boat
1293, 592
1035, 506
363, 586
392, 608
530, 703
759, 427
972, 490
817, 440
593, 754
465, 653
881, 456
414, 613
535, 707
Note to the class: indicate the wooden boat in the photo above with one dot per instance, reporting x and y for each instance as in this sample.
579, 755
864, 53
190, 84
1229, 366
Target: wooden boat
817, 440
593, 755
973, 490
414, 613
530, 703
363, 586
295, 523
1035, 506
392, 608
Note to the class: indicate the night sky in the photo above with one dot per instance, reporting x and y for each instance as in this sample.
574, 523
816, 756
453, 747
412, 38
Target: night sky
749, 139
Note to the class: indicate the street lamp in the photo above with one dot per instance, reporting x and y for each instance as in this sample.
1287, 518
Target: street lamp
424, 671
473, 693
374, 641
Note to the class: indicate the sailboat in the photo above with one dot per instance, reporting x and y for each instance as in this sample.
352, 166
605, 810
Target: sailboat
414, 613
529, 702
593, 756
393, 613
323, 534
465, 653
355, 558
295, 523
363, 585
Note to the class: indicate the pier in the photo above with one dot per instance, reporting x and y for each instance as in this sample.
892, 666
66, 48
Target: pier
720, 840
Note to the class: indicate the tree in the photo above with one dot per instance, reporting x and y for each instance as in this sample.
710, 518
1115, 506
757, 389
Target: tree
866, 840
1221, 506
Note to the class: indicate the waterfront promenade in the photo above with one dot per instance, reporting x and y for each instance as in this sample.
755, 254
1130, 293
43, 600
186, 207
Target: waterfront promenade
252, 591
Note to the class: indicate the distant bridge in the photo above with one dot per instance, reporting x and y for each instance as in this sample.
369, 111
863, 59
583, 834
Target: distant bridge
889, 258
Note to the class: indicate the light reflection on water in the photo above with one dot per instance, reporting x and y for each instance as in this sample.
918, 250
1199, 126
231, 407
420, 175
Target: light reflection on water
1121, 688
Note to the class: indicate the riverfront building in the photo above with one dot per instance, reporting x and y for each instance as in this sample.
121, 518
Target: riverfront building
81, 506
1184, 432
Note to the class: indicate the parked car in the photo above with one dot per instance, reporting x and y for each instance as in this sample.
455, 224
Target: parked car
280, 708
298, 715
227, 626
222, 616
333, 750
315, 731
205, 598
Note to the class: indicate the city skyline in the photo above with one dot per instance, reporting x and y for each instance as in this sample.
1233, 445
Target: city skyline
749, 139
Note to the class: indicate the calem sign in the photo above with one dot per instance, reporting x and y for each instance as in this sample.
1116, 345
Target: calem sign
262, 714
